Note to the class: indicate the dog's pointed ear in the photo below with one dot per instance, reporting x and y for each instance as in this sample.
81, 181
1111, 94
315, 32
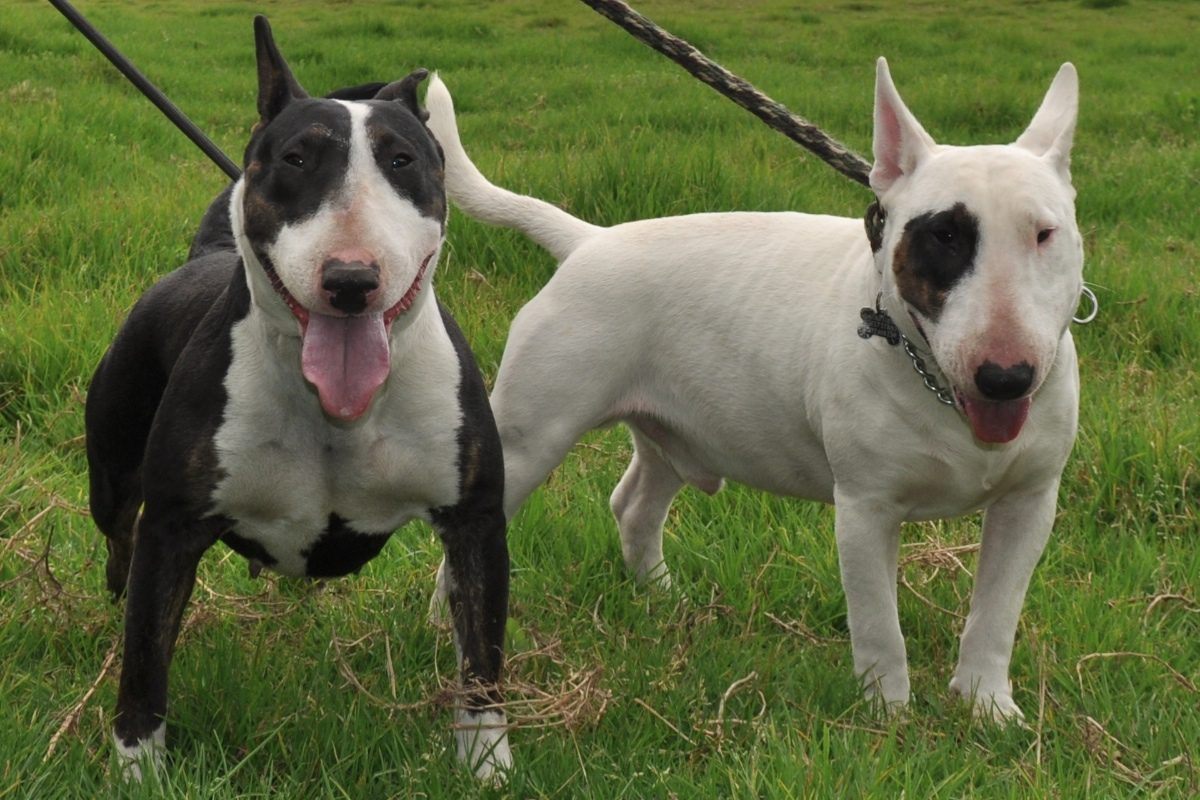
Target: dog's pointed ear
405, 91
900, 141
1050, 134
277, 87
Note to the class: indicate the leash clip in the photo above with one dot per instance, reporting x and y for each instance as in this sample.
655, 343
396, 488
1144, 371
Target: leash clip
1095, 309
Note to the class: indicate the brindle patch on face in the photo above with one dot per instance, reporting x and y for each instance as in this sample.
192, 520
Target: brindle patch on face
935, 251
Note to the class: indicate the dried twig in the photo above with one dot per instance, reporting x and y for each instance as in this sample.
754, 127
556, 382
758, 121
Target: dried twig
664, 720
904, 582
1191, 604
798, 628
76, 710
1176, 674
733, 687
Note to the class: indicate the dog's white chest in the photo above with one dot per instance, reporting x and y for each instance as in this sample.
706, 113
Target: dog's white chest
301, 489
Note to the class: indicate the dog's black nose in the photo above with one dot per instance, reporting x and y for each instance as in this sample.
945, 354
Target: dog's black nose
349, 284
1003, 383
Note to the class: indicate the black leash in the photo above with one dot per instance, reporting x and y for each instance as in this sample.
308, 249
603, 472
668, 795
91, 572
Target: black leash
152, 92
798, 129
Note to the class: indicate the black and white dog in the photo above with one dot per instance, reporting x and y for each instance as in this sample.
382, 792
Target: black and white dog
297, 391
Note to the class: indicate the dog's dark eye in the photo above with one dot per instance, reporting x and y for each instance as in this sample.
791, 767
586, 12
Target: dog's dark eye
400, 161
1043, 235
294, 159
945, 235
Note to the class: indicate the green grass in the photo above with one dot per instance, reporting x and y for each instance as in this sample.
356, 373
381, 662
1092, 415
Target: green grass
281, 688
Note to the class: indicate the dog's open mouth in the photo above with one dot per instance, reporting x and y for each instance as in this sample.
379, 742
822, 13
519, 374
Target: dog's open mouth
346, 358
995, 422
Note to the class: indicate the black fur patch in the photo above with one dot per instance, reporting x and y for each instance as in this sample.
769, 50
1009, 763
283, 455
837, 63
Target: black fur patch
407, 157
293, 165
937, 249
341, 550
252, 550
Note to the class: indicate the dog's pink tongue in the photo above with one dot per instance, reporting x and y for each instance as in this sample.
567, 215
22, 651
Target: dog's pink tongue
347, 359
996, 423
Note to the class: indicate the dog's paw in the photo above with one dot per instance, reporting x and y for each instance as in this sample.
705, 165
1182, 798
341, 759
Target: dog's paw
887, 692
482, 744
657, 577
439, 611
885, 705
439, 602
990, 705
142, 757
999, 709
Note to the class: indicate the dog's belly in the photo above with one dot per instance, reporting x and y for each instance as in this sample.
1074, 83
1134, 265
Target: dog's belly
704, 451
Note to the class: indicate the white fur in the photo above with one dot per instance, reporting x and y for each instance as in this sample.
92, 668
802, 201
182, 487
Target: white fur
727, 342
482, 743
148, 753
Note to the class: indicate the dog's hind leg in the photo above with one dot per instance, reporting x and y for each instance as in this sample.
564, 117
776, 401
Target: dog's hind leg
121, 403
640, 503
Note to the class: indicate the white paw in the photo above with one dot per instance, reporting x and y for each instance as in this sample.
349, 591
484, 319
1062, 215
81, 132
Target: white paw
992, 705
886, 705
439, 602
655, 577
439, 610
887, 693
148, 755
482, 743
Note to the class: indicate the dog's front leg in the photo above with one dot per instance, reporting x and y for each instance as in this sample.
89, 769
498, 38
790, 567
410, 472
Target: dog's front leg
166, 553
1015, 530
475, 571
868, 540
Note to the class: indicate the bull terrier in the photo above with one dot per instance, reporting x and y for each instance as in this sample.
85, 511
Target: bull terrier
765, 348
297, 391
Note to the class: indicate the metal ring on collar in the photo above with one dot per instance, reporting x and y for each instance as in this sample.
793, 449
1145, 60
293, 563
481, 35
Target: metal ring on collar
1095, 309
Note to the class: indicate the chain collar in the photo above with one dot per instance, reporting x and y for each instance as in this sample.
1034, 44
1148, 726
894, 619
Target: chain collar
877, 322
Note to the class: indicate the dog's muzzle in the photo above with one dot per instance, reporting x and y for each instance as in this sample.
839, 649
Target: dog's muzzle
346, 357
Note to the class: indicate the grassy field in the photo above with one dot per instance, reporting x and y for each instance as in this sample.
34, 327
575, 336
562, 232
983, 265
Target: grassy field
737, 684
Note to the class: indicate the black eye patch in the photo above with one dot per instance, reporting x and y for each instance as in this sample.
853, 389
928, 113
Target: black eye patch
936, 250
407, 157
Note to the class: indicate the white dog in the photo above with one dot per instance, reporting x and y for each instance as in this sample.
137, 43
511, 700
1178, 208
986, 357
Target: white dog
737, 345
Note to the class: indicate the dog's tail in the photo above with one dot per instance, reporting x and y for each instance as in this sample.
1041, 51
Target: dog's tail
548, 225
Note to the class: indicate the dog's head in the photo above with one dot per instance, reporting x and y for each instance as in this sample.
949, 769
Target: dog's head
339, 217
980, 254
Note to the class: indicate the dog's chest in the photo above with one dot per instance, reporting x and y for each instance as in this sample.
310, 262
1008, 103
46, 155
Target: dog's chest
310, 497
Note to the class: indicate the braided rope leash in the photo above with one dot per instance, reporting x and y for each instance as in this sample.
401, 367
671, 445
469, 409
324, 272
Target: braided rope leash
798, 129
